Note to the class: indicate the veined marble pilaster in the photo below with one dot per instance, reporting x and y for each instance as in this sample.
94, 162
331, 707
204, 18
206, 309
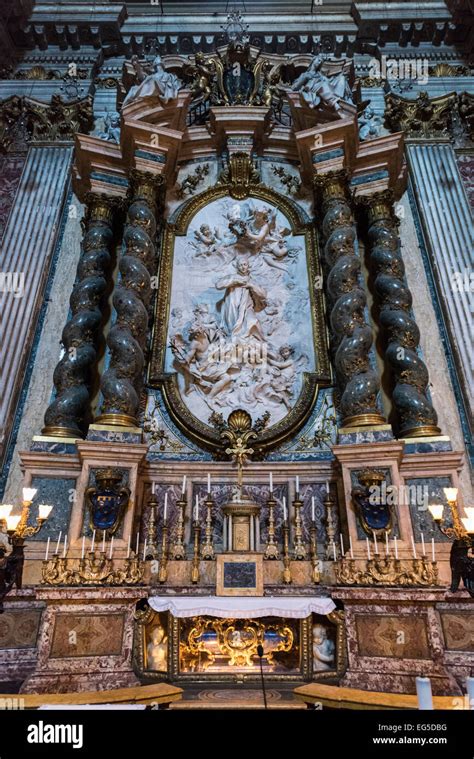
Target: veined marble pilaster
27, 246
448, 225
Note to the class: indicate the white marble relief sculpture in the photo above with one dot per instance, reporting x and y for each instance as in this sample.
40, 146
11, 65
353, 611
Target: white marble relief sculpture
239, 286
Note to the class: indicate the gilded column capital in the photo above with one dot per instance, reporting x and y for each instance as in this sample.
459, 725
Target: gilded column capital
331, 185
378, 207
145, 185
101, 207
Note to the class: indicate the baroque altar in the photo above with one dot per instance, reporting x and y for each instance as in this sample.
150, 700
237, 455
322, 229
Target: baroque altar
227, 472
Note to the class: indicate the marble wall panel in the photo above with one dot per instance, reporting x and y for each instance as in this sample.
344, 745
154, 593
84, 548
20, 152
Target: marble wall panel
458, 630
392, 636
92, 635
19, 628
58, 493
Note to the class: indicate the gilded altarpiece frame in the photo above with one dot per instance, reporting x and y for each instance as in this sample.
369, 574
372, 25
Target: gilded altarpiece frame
309, 367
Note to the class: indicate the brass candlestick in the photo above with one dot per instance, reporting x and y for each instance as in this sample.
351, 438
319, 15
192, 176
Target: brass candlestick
178, 550
207, 550
195, 575
92, 570
299, 547
315, 576
163, 570
271, 549
331, 527
387, 570
286, 554
152, 533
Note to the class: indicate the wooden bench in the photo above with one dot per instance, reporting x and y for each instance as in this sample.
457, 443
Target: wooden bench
160, 694
352, 698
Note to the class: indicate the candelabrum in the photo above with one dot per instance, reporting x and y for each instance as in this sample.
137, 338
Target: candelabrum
387, 570
315, 576
195, 575
178, 550
332, 549
299, 549
271, 549
207, 549
286, 554
96, 568
462, 534
163, 569
152, 532
17, 530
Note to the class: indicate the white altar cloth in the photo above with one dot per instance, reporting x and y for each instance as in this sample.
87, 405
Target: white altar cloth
242, 607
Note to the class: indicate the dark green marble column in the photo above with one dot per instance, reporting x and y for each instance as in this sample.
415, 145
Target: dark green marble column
416, 416
69, 412
351, 336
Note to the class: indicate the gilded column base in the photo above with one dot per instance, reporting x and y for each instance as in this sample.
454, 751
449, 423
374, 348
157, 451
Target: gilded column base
363, 420
116, 420
57, 431
426, 430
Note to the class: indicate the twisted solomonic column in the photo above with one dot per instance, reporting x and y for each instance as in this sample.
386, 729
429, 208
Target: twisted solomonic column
351, 335
416, 415
67, 415
122, 381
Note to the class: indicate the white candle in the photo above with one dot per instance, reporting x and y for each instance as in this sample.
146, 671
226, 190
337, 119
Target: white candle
165, 510
297, 484
387, 549
396, 547
376, 547
334, 550
423, 551
313, 512
138, 541
93, 541
183, 487
284, 509
413, 547
128, 550
153, 488
65, 547
342, 544
103, 541
327, 487
59, 541
83, 546
271, 482
111, 547
424, 694
368, 547
433, 550
196, 509
47, 549
350, 547
144, 551
208, 482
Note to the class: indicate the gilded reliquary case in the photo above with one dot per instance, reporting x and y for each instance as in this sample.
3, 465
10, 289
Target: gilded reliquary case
239, 319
